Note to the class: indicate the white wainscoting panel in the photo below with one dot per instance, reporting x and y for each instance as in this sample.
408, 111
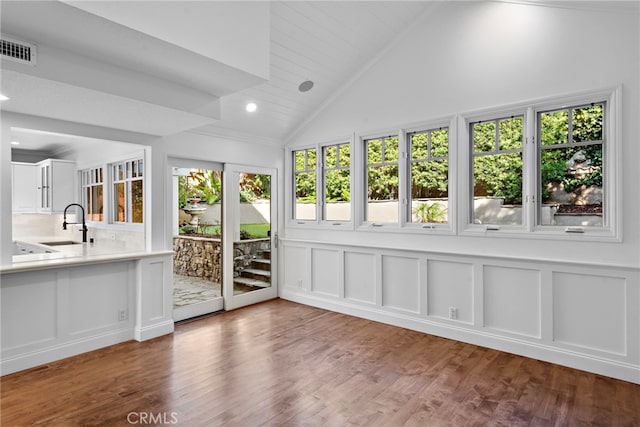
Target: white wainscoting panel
95, 300
450, 284
51, 314
154, 297
401, 283
29, 310
573, 314
590, 311
512, 300
325, 269
360, 277
156, 307
295, 267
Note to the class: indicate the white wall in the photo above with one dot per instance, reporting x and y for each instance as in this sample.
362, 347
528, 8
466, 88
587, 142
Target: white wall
468, 56
574, 302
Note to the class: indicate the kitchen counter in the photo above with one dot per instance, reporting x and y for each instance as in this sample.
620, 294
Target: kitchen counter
80, 297
63, 255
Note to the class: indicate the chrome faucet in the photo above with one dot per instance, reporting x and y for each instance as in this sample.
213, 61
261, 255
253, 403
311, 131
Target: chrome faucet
84, 224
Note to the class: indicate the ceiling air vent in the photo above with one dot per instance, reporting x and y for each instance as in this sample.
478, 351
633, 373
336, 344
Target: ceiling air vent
18, 51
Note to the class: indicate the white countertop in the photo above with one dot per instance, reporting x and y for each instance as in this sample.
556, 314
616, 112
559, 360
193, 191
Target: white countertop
73, 255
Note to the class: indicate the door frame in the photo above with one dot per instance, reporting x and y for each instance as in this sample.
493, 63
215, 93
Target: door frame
230, 216
173, 161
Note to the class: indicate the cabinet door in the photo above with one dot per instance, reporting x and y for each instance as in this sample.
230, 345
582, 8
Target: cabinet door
63, 189
56, 185
44, 204
24, 187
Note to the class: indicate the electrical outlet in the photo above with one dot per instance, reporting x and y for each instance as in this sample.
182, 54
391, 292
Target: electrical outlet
453, 313
122, 315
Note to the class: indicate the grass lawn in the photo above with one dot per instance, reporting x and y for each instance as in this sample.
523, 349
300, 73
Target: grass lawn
255, 230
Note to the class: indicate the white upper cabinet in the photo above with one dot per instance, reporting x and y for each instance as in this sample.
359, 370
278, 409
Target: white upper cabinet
44, 187
56, 185
24, 187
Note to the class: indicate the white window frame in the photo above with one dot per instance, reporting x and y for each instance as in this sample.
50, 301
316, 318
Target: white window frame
431, 228
362, 182
84, 185
321, 184
611, 165
467, 205
611, 230
319, 221
113, 180
291, 189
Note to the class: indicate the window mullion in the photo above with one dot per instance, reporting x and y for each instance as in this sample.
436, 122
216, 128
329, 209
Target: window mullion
404, 186
529, 170
320, 182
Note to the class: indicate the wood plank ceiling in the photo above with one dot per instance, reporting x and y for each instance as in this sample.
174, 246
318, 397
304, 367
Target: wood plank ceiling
328, 42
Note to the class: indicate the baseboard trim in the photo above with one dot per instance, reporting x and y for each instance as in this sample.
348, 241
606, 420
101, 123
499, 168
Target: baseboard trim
611, 368
61, 351
153, 331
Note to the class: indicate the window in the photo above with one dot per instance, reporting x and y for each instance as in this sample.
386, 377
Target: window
571, 166
336, 169
429, 175
547, 170
305, 184
127, 180
382, 179
543, 168
497, 176
93, 193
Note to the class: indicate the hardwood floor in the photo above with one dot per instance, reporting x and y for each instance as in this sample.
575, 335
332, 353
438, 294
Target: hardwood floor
284, 364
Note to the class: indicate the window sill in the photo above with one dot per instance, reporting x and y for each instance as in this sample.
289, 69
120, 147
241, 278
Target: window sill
415, 229
324, 225
543, 233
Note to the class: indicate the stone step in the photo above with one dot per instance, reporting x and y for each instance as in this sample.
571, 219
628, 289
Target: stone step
251, 282
261, 264
266, 254
254, 273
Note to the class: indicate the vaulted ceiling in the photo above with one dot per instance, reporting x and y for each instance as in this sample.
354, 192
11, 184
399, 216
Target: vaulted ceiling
327, 42
154, 82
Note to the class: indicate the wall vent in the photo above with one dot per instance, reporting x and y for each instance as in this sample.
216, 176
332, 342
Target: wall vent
16, 50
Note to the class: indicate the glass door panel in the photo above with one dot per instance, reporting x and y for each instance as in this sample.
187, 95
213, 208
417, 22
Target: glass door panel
197, 239
251, 222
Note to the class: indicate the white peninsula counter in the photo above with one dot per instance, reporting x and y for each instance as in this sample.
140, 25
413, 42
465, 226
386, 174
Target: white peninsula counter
66, 299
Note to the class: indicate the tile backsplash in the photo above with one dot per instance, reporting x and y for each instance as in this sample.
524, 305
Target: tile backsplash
36, 226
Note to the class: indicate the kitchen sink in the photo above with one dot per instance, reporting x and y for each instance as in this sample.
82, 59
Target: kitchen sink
60, 243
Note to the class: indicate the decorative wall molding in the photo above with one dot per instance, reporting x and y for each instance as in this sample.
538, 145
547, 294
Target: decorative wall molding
580, 315
59, 312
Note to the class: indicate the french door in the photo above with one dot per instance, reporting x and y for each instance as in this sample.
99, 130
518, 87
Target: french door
198, 267
250, 235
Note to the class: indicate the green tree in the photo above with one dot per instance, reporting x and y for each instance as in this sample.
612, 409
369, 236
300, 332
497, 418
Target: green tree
382, 170
498, 173
586, 126
337, 180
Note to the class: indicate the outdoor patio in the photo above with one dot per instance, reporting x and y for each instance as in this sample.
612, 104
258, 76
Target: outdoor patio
191, 290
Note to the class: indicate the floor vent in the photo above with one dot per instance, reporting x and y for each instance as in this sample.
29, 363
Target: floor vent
18, 51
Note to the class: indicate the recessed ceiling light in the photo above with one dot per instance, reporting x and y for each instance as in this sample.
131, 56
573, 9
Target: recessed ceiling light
251, 107
15, 142
3, 97
305, 86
